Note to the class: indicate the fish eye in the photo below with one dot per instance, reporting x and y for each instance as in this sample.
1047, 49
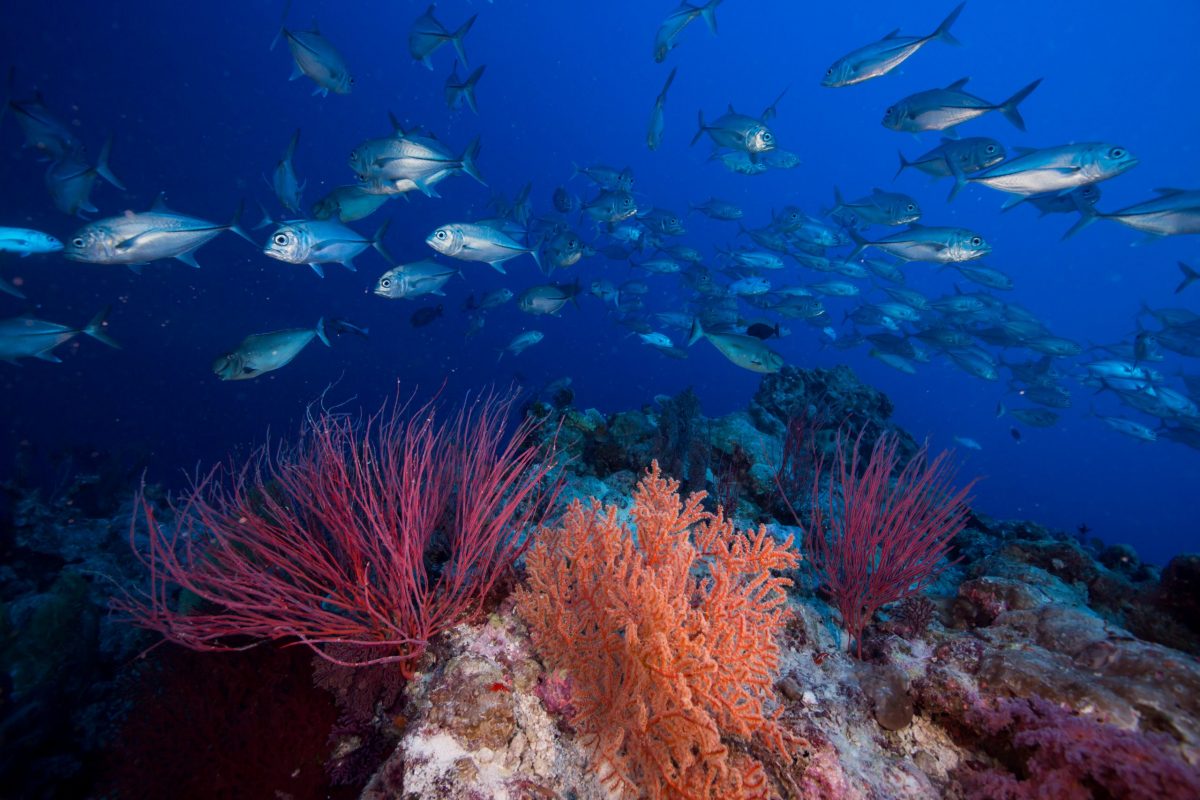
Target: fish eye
440, 234
280, 239
976, 241
991, 148
767, 136
889, 110
829, 71
386, 283
912, 207
351, 80
77, 241
1117, 152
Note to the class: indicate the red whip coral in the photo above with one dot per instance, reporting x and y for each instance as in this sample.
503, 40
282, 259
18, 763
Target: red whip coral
887, 539
331, 542
669, 636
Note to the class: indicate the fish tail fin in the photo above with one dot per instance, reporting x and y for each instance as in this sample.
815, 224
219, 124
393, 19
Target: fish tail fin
860, 244
377, 242
1009, 107
709, 14
662, 96
904, 164
839, 203
696, 333
266, 220
467, 160
95, 328
701, 131
291, 149
102, 164
321, 334
1189, 276
287, 6
943, 30
456, 39
235, 223
1086, 217
468, 88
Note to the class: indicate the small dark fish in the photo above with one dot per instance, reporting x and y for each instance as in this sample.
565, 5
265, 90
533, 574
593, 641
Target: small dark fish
1016, 434
423, 316
1189, 276
564, 201
763, 330
340, 326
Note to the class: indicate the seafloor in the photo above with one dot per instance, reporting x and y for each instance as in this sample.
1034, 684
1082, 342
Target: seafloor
1039, 664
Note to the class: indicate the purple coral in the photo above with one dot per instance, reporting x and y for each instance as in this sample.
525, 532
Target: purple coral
1057, 753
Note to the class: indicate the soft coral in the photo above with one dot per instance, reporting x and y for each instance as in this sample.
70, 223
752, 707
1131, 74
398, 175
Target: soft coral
1057, 753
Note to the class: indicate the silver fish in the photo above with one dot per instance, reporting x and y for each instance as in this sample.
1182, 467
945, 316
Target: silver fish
134, 238
718, 209
919, 243
406, 162
736, 132
427, 35
521, 342
315, 57
287, 188
878, 208
474, 242
26, 242
70, 180
548, 299
347, 204
941, 109
880, 58
28, 337
747, 352
43, 131
265, 352
459, 91
319, 242
654, 134
1051, 170
677, 20
414, 280
1174, 212
955, 156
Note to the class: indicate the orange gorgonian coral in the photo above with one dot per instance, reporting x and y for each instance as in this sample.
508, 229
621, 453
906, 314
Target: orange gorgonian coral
668, 632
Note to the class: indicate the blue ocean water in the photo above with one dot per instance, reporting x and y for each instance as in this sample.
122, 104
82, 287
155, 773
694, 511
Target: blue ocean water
201, 109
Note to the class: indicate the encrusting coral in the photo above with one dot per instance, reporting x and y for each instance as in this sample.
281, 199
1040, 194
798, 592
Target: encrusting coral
668, 632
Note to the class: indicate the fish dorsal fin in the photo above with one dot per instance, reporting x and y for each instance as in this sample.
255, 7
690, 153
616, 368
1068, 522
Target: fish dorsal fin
1024, 151
875, 190
958, 85
315, 29
129, 213
1168, 190
160, 203
915, 226
893, 34
731, 111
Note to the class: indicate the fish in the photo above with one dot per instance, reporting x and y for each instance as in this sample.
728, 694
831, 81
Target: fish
1173, 213
70, 180
736, 132
319, 242
260, 353
315, 57
407, 281
764, 330
424, 316
607, 178
348, 204
135, 238
1189, 277
1037, 417
920, 243
26, 242
778, 158
667, 33
984, 276
1015, 434
43, 131
427, 35
718, 209
954, 156
654, 134
474, 242
287, 188
899, 363
605, 292
564, 201
1080, 200
747, 352
28, 337
1051, 170
877, 208
741, 163
493, 299
968, 443
405, 162
1128, 427
879, 58
548, 298
943, 109
521, 342
341, 326
611, 206
459, 92
754, 285
656, 339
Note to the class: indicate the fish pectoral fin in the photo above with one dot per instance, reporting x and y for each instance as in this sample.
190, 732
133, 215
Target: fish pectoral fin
317, 268
46, 355
498, 266
188, 259
296, 72
349, 264
136, 269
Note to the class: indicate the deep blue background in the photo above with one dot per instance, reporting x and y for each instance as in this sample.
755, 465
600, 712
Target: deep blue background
200, 109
